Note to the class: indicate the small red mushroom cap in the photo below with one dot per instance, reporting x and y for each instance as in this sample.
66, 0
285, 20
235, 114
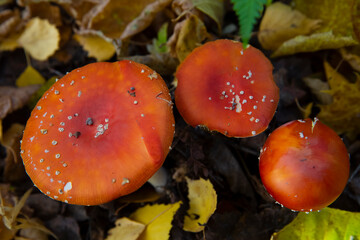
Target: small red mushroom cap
98, 133
227, 89
304, 165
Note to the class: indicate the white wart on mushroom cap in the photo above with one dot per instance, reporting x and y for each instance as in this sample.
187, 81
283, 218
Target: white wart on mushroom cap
227, 89
98, 133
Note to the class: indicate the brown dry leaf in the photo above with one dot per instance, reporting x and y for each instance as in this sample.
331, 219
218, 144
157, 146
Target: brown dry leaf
12, 98
45, 10
116, 15
318, 87
202, 201
40, 39
126, 229
192, 33
82, 10
343, 113
96, 46
144, 19
9, 19
281, 23
14, 168
352, 56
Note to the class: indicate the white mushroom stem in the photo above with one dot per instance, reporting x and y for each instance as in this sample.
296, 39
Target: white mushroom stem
159, 180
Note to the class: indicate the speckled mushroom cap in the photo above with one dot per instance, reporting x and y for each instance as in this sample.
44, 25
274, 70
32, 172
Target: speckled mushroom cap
227, 89
99, 133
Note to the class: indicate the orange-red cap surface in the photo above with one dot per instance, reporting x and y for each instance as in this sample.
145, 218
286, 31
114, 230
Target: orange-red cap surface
227, 89
99, 133
304, 165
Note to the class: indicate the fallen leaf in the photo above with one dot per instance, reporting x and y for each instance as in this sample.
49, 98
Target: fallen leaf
144, 19
281, 23
329, 223
157, 219
215, 9
45, 10
352, 56
336, 30
314, 42
40, 92
342, 114
12, 98
10, 43
192, 33
9, 19
14, 167
202, 201
159, 44
29, 77
125, 229
96, 46
40, 39
318, 87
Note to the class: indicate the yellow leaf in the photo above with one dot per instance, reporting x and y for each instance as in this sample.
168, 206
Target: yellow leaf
96, 46
40, 39
336, 15
337, 29
10, 43
327, 224
314, 42
125, 229
192, 33
343, 113
157, 219
281, 23
29, 77
202, 201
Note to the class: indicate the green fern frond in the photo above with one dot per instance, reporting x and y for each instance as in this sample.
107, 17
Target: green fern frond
248, 11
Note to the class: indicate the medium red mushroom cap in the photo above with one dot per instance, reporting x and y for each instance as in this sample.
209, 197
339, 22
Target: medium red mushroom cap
227, 89
99, 133
304, 165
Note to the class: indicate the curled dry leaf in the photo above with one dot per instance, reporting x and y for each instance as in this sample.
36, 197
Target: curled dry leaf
14, 168
12, 98
318, 87
96, 46
144, 19
352, 56
191, 34
40, 39
126, 229
8, 21
202, 201
281, 23
342, 114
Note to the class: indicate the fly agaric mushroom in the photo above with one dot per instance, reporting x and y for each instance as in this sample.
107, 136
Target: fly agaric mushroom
304, 165
227, 89
99, 133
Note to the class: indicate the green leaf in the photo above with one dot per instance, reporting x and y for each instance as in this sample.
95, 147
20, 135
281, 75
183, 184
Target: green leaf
248, 11
160, 42
213, 8
329, 223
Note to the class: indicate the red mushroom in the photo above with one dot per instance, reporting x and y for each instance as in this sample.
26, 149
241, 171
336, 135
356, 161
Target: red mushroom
304, 165
99, 133
227, 89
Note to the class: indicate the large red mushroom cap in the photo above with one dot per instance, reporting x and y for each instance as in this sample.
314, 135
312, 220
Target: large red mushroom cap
227, 89
304, 165
99, 133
